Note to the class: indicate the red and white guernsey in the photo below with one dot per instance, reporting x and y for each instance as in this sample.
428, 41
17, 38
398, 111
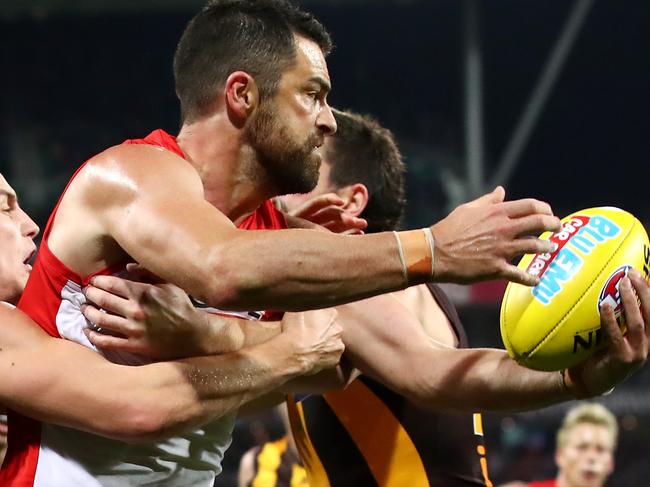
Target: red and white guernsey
42, 454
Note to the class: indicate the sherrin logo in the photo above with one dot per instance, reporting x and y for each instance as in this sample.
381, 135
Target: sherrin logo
610, 293
578, 237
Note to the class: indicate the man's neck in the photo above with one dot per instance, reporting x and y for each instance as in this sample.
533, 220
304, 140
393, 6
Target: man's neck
233, 180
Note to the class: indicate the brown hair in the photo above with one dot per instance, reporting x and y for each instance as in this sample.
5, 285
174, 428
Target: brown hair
362, 151
255, 36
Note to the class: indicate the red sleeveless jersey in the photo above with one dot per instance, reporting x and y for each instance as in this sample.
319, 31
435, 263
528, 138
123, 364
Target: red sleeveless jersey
52, 298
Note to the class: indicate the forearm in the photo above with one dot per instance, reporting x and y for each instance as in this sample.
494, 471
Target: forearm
225, 334
143, 403
435, 376
301, 269
207, 388
480, 380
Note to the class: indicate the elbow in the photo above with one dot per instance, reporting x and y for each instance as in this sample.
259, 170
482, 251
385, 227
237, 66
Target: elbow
138, 425
215, 287
423, 397
433, 400
222, 283
142, 422
430, 392
418, 391
159, 423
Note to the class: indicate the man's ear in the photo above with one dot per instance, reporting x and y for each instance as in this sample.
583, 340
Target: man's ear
242, 96
355, 197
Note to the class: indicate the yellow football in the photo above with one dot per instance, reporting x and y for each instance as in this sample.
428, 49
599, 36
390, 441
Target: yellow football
556, 324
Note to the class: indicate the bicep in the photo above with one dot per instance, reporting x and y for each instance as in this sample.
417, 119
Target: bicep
158, 214
385, 340
179, 242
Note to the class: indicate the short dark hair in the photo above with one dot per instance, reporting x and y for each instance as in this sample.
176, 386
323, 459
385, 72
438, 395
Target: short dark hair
255, 36
362, 151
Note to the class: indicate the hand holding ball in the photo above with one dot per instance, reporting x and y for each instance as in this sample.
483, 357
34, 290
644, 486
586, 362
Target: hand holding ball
556, 324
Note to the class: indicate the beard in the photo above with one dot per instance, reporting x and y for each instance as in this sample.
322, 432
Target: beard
292, 167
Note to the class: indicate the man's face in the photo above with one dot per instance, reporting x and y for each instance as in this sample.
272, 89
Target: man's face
588, 457
289, 129
17, 232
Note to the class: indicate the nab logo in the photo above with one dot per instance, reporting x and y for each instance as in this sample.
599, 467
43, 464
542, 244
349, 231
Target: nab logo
587, 341
610, 293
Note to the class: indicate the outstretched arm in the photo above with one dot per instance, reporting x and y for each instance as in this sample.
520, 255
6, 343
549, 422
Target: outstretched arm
78, 388
151, 203
443, 378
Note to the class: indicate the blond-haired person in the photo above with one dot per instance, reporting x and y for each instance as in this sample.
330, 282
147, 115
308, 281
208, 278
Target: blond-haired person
584, 454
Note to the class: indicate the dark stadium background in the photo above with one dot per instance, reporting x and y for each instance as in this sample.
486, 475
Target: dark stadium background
80, 76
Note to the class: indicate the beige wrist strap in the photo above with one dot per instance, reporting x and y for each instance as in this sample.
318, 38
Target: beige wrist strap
432, 247
416, 249
400, 250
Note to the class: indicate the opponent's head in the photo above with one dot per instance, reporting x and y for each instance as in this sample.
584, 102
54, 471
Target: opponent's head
585, 446
363, 165
263, 62
17, 232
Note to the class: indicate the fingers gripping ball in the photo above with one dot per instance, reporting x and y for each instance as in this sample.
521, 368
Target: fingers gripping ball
556, 324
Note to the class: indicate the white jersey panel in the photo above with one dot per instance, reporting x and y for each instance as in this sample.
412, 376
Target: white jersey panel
71, 457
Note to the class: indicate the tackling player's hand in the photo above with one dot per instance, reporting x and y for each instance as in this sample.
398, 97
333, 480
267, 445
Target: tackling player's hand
155, 320
327, 211
624, 353
478, 239
315, 337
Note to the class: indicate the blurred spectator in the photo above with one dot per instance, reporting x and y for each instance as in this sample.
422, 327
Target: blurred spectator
585, 448
275, 463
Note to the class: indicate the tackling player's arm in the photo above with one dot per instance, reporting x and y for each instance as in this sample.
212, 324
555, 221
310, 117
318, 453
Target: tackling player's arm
152, 204
151, 401
159, 321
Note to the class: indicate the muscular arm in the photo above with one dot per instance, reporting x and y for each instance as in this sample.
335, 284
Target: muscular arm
159, 320
385, 341
131, 403
151, 203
